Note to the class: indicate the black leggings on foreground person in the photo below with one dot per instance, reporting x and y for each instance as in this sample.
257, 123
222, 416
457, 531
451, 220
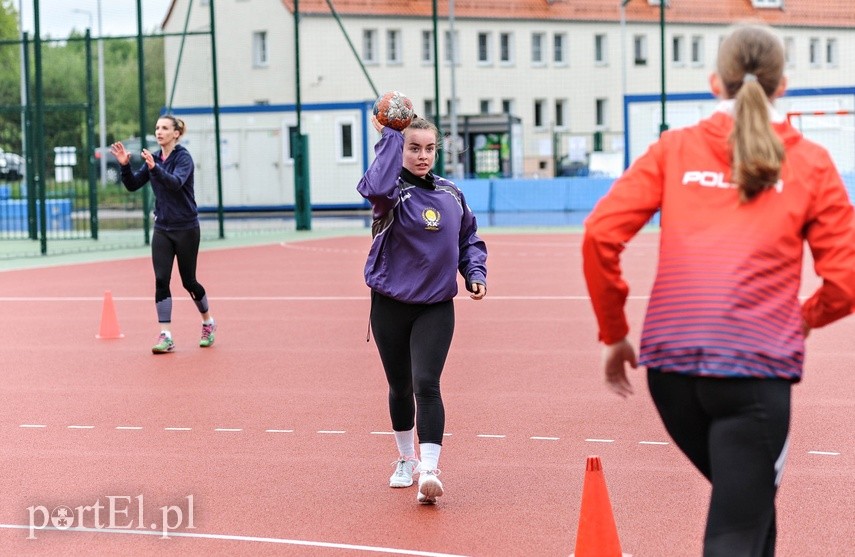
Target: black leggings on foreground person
413, 341
733, 430
167, 246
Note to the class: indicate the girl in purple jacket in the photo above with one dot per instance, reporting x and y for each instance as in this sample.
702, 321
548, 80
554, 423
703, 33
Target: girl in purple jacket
424, 233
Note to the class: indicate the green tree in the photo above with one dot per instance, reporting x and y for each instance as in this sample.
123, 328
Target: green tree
10, 89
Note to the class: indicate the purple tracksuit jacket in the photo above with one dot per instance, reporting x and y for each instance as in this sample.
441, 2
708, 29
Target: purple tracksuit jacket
423, 231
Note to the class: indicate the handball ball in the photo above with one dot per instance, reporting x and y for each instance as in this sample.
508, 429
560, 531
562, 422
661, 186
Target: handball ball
394, 109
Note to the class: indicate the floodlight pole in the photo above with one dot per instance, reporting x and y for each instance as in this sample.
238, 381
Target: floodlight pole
663, 126
439, 164
143, 121
217, 132
102, 102
452, 151
299, 143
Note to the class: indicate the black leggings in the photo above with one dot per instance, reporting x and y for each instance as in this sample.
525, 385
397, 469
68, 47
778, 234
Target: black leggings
735, 433
413, 341
166, 246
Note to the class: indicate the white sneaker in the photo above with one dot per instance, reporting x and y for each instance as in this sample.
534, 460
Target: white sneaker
403, 475
429, 487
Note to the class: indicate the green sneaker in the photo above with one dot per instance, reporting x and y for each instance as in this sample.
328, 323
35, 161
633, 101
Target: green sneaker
207, 335
164, 345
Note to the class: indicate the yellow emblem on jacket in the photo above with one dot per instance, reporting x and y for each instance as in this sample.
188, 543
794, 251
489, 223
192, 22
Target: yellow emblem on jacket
431, 217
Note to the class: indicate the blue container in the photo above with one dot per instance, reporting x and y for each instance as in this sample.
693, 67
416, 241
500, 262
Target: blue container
14, 213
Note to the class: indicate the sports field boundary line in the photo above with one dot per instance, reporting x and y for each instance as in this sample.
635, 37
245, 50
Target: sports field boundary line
366, 297
238, 538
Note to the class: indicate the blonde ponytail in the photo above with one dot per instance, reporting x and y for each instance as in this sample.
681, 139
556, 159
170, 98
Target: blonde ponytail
750, 65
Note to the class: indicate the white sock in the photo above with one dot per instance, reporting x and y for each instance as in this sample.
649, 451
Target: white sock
429, 456
406, 441
166, 332
209, 321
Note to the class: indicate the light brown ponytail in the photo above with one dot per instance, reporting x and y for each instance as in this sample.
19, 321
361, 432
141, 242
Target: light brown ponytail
750, 65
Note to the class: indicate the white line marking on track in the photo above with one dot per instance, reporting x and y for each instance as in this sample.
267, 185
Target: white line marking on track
253, 539
386, 433
578, 298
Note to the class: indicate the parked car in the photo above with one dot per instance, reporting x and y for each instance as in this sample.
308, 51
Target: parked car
114, 172
12, 166
572, 168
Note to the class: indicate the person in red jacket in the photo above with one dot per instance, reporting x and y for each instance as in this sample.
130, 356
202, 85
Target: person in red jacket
723, 337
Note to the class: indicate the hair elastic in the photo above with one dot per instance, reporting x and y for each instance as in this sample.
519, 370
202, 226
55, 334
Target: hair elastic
749, 77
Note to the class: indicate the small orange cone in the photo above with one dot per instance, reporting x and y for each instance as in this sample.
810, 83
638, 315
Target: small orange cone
109, 322
597, 535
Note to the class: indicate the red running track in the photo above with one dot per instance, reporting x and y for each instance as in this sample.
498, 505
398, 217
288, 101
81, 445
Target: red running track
277, 437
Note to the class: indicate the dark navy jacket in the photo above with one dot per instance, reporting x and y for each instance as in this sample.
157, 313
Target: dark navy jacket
424, 232
172, 184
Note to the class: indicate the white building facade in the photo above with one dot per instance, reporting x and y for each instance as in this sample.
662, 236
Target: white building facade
564, 78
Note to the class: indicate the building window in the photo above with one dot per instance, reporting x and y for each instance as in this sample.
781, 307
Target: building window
506, 48
560, 113
369, 46
485, 56
430, 108
484, 106
427, 47
507, 106
539, 116
697, 51
814, 53
345, 140
537, 40
393, 47
601, 112
451, 47
677, 54
448, 106
260, 53
790, 51
831, 52
600, 45
559, 49
639, 48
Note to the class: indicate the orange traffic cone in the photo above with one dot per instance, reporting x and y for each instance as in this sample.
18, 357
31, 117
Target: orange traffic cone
109, 322
597, 535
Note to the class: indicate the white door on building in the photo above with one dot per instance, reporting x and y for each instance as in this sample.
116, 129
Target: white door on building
261, 168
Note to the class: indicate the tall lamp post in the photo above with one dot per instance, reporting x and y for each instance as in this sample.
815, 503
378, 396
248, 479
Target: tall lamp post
663, 126
102, 100
102, 105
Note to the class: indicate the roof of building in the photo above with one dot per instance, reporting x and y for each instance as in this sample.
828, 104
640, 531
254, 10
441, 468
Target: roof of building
809, 13
819, 13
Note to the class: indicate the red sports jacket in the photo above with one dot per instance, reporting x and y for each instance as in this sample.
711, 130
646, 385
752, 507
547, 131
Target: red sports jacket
725, 299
